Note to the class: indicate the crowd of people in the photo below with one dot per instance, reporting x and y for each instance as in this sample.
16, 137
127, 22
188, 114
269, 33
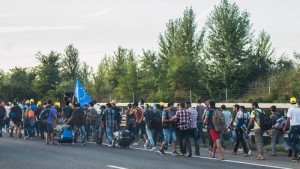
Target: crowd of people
158, 125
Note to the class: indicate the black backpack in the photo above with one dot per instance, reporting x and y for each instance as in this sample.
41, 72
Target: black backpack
45, 114
265, 121
118, 115
151, 118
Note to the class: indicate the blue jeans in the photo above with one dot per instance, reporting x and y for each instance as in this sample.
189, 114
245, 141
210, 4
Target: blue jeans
29, 126
150, 136
194, 135
109, 132
101, 135
226, 136
169, 134
80, 129
278, 136
294, 135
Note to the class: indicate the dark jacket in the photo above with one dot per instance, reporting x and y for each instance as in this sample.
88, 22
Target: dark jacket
78, 117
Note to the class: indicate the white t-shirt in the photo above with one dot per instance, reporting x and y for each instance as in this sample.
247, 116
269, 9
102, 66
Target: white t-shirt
294, 114
7, 108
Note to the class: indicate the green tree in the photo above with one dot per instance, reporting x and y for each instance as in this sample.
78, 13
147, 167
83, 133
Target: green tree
70, 64
180, 49
101, 88
128, 82
48, 72
18, 83
260, 62
148, 73
117, 67
228, 45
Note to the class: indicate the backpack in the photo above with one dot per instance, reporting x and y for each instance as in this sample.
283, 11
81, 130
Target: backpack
265, 122
118, 115
12, 115
92, 117
151, 118
2, 111
45, 114
30, 113
242, 121
218, 120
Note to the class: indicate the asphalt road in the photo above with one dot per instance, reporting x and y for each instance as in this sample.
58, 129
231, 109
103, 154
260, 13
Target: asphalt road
16, 153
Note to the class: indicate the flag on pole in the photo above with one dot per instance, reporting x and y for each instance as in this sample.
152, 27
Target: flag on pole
81, 94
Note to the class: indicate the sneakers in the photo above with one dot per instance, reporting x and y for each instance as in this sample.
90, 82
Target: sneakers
175, 153
296, 158
249, 152
135, 144
109, 145
153, 148
162, 152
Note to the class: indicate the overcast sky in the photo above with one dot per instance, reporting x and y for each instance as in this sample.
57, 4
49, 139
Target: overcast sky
98, 27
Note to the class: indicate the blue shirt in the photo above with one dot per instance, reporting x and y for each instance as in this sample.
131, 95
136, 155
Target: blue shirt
33, 107
52, 114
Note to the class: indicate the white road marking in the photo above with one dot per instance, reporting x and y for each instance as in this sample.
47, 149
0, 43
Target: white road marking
112, 166
231, 161
209, 158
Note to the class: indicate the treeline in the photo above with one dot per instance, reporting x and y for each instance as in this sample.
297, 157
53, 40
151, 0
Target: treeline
225, 53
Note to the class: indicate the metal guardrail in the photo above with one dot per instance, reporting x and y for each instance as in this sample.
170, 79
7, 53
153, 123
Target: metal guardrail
228, 105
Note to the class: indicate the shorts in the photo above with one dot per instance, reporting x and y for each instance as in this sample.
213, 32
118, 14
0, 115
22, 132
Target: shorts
49, 128
167, 134
138, 127
215, 135
16, 123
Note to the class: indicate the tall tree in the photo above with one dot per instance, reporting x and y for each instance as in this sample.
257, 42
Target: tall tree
102, 88
48, 72
228, 44
180, 47
260, 62
128, 82
70, 63
148, 73
117, 67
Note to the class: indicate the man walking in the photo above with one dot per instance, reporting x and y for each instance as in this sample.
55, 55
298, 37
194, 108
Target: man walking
255, 117
277, 131
215, 135
109, 116
193, 125
183, 119
200, 109
293, 119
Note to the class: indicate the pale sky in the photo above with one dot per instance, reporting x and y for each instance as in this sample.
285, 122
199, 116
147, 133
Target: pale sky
98, 27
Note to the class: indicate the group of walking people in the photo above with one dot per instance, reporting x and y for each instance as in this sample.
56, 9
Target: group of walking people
158, 125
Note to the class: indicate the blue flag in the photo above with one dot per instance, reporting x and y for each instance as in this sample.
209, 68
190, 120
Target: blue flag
81, 94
